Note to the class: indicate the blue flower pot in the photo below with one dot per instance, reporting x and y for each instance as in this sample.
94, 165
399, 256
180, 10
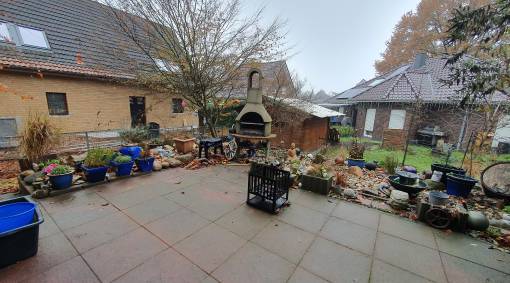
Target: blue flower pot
132, 150
356, 162
95, 174
60, 182
145, 164
123, 169
459, 185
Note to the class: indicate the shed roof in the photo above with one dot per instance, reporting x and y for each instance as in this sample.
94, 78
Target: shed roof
311, 108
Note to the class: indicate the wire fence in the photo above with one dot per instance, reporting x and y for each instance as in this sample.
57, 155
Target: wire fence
82, 141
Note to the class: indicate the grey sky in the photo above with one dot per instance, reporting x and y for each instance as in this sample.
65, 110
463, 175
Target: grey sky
337, 41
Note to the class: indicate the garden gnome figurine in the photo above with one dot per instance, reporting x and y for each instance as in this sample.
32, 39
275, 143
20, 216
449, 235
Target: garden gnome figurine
291, 153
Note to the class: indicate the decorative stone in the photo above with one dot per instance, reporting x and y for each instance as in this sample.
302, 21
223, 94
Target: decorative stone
31, 178
477, 221
399, 199
174, 162
350, 193
339, 160
27, 173
157, 165
184, 158
370, 166
165, 164
41, 193
355, 170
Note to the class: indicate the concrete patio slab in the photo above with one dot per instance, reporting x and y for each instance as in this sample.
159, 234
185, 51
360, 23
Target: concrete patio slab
285, 240
303, 217
151, 209
244, 221
357, 214
210, 247
415, 232
256, 265
315, 201
350, 235
384, 273
74, 270
303, 276
463, 271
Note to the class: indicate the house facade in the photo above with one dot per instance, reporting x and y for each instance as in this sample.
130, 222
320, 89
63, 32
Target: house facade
412, 97
64, 59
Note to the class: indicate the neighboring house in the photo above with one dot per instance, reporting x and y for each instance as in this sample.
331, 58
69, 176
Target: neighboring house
64, 58
387, 101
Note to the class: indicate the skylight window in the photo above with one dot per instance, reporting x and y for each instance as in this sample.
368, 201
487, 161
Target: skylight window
4, 33
33, 37
376, 82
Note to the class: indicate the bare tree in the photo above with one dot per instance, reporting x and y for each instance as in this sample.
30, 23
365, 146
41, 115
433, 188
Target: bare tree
196, 47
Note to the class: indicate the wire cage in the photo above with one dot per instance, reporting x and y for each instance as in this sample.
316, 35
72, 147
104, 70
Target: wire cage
268, 187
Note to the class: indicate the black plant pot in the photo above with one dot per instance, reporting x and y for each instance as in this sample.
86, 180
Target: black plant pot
316, 184
447, 169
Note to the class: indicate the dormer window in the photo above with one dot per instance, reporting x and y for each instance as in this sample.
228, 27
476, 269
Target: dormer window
4, 33
33, 37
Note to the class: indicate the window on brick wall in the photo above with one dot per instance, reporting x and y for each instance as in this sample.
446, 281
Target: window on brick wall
57, 103
397, 119
177, 105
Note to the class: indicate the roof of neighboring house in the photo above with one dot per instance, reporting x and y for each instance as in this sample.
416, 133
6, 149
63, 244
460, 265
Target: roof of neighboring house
82, 39
310, 108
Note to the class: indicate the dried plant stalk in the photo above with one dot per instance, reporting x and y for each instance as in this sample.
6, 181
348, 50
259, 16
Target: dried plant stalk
39, 137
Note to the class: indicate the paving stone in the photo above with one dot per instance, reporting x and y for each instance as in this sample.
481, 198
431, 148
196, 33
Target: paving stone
210, 247
168, 266
81, 214
115, 258
151, 209
100, 231
336, 263
350, 235
254, 264
177, 226
358, 214
383, 273
412, 231
303, 276
303, 217
463, 271
285, 240
473, 250
133, 197
53, 250
74, 270
71, 200
245, 221
48, 227
315, 201
410, 256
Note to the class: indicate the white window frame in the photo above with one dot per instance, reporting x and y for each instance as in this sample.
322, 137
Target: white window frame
397, 119
29, 29
5, 36
369, 126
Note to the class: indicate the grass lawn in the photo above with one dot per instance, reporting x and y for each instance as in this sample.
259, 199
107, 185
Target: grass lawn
418, 156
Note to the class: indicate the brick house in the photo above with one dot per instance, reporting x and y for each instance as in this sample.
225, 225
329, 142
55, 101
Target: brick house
63, 58
386, 103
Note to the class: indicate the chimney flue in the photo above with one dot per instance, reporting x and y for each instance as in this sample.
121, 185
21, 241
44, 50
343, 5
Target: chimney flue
420, 60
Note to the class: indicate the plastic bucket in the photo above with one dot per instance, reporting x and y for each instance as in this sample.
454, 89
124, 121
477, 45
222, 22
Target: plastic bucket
16, 215
436, 176
459, 185
124, 169
60, 182
438, 198
447, 169
133, 151
356, 162
145, 165
96, 174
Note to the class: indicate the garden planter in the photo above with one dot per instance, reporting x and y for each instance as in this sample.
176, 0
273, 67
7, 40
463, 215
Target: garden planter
95, 174
356, 162
183, 145
459, 185
407, 178
132, 150
145, 164
22, 242
123, 169
447, 169
15, 215
438, 198
316, 184
60, 182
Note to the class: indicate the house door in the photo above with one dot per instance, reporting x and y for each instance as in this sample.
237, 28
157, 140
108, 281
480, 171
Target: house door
369, 123
137, 108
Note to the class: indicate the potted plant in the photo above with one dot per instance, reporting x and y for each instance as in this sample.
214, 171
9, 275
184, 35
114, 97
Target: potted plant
356, 153
96, 164
123, 165
61, 177
131, 138
145, 162
184, 144
317, 179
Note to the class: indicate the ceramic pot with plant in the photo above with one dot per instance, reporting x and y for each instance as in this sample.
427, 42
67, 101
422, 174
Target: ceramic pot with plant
145, 162
356, 153
96, 164
123, 165
317, 179
61, 177
184, 144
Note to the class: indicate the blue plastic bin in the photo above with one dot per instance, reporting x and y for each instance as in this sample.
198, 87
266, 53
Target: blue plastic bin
133, 151
95, 174
459, 185
123, 169
16, 215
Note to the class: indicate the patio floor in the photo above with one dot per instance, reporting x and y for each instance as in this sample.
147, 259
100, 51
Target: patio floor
193, 226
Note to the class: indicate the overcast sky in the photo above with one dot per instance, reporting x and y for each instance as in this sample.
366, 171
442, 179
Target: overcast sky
336, 41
